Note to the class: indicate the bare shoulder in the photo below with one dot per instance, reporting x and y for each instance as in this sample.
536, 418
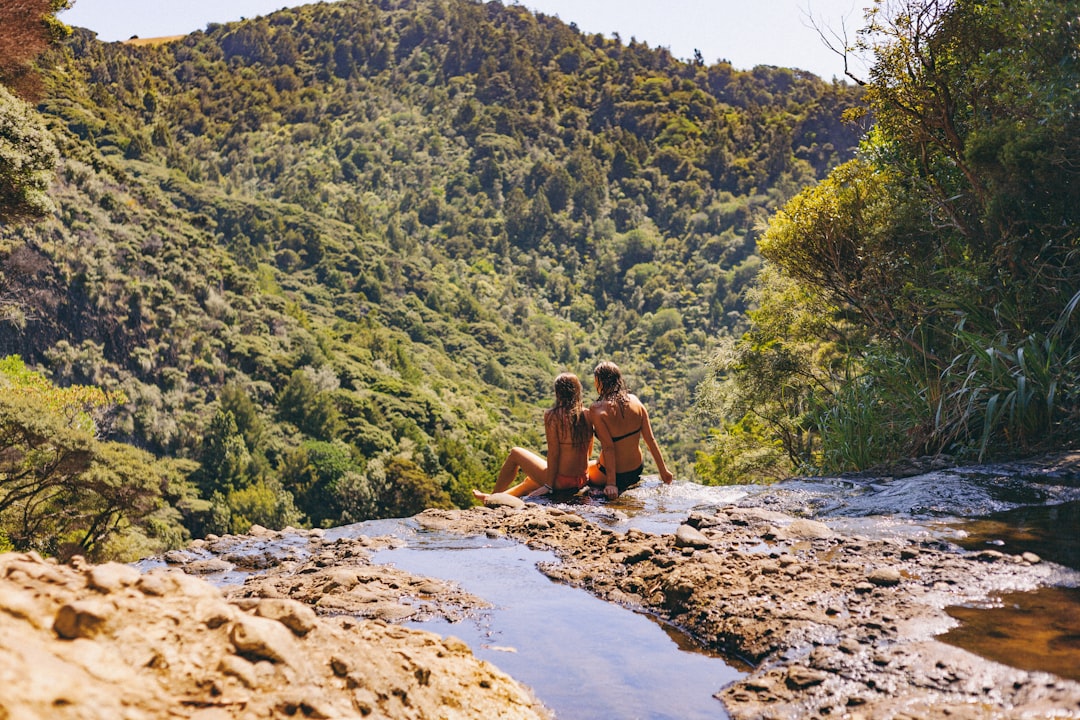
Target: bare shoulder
598, 410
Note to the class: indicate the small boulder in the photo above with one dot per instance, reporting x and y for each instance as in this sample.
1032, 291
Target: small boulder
208, 566
294, 615
884, 577
803, 529
81, 619
262, 639
503, 500
799, 677
687, 536
112, 576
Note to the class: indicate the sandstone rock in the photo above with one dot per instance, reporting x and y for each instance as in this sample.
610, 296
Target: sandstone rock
1032, 558
687, 536
503, 500
206, 567
81, 619
181, 557
799, 677
756, 516
390, 611
262, 638
885, 577
213, 612
296, 616
849, 646
112, 576
803, 529
762, 684
340, 579
241, 669
157, 584
21, 604
769, 567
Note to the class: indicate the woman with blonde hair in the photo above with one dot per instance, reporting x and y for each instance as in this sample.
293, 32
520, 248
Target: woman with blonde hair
569, 445
620, 422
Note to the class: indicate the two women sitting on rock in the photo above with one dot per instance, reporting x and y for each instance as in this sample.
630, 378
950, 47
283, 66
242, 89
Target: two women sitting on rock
617, 419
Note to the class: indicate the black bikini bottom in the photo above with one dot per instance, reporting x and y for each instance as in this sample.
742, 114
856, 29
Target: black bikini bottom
624, 479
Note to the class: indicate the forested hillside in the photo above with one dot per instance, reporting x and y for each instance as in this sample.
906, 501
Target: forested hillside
332, 258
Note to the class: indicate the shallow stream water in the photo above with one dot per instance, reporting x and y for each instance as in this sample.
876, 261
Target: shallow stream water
583, 657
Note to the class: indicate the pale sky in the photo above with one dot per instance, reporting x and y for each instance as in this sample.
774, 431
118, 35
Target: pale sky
743, 32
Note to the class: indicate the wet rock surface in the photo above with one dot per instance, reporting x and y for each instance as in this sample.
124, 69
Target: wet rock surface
302, 625
833, 626
89, 642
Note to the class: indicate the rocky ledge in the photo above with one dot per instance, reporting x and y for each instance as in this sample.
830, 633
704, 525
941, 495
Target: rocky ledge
830, 626
107, 642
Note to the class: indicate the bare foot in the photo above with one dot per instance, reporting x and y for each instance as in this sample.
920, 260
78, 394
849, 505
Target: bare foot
479, 495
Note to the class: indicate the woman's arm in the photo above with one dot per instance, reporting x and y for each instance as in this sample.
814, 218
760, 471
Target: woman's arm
607, 454
654, 449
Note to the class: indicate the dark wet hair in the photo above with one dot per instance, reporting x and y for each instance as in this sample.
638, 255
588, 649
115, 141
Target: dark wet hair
612, 385
568, 411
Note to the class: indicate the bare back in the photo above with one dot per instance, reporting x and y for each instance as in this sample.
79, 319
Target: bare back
563, 455
624, 429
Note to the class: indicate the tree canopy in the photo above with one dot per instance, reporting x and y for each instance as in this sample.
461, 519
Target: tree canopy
944, 256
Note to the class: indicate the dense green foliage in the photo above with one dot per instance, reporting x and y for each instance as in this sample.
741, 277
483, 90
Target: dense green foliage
337, 255
929, 286
27, 27
63, 491
27, 153
27, 158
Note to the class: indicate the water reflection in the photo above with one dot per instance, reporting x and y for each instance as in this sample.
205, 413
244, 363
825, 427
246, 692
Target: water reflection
584, 657
1037, 630
650, 505
1050, 531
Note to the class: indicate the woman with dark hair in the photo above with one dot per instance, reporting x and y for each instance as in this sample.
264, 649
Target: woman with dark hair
620, 422
569, 444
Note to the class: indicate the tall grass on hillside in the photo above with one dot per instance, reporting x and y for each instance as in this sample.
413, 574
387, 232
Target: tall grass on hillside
869, 420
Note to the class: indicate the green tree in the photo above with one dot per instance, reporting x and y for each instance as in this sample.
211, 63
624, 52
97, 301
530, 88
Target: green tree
63, 491
307, 407
944, 256
226, 462
28, 159
408, 490
312, 473
264, 502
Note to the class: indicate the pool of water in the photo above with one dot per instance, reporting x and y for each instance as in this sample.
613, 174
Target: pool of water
652, 506
1050, 531
583, 657
1037, 630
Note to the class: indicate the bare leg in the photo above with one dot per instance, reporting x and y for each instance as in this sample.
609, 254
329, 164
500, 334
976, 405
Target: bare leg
527, 462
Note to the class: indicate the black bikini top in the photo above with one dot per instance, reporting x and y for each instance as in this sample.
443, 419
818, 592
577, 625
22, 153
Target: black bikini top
621, 437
